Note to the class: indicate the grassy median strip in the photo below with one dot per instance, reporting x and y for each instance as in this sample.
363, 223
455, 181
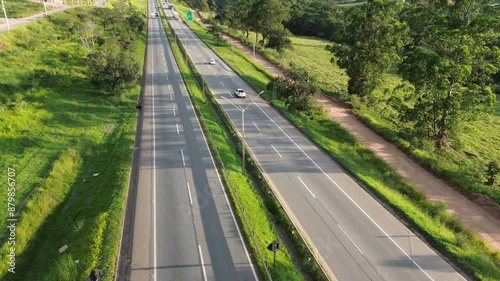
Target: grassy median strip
442, 231
70, 145
264, 228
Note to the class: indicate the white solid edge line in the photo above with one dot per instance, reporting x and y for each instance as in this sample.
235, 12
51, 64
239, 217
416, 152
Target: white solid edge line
189, 193
177, 127
183, 161
350, 239
256, 126
306, 187
202, 264
154, 167
276, 150
222, 187
356, 204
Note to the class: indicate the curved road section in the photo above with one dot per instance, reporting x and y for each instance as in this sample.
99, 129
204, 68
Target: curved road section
184, 228
355, 237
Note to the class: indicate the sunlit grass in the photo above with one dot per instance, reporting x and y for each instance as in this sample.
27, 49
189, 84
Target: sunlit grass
70, 146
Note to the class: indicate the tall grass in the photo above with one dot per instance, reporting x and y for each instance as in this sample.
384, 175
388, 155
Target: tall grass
71, 145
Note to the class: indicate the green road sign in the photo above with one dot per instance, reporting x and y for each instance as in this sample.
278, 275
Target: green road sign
189, 16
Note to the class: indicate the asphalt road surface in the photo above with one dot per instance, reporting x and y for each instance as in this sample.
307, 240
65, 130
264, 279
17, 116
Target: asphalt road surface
355, 237
184, 228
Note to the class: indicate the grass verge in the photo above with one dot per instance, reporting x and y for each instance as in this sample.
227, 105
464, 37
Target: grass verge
442, 231
70, 146
261, 225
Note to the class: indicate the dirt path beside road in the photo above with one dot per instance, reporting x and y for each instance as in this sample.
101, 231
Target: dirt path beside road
472, 215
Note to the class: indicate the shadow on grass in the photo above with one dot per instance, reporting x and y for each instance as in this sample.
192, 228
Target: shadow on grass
81, 220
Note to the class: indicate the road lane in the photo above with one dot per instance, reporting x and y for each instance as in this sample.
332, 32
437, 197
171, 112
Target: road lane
184, 227
355, 236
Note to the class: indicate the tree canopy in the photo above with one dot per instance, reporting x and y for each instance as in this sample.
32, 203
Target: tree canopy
369, 44
450, 65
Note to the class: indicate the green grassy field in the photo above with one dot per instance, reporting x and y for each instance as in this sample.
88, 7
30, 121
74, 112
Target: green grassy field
259, 220
70, 146
22, 8
441, 230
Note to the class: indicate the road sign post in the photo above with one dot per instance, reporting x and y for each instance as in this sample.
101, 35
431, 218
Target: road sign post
189, 16
274, 247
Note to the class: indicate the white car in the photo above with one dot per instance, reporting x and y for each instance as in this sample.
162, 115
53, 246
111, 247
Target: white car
212, 61
240, 93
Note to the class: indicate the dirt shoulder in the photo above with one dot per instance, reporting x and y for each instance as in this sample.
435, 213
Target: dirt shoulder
474, 215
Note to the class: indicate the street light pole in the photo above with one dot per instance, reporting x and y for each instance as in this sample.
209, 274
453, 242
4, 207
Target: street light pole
243, 142
5, 14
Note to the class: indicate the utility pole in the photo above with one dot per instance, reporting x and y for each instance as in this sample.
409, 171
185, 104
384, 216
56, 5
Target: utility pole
5, 14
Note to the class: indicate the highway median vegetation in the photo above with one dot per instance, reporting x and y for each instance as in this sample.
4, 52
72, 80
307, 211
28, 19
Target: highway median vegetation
70, 143
221, 140
430, 220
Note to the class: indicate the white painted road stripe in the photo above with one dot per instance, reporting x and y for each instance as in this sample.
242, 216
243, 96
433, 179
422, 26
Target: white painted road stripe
173, 109
277, 152
221, 83
256, 126
177, 126
349, 197
183, 162
306, 187
170, 96
189, 193
350, 239
202, 264
154, 167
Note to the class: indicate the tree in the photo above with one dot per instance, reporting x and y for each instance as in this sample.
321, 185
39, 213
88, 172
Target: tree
370, 43
216, 31
88, 33
278, 39
111, 66
238, 14
450, 68
492, 170
295, 88
268, 16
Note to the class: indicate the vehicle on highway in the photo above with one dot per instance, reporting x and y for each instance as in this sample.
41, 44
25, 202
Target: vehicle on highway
212, 61
240, 93
157, 14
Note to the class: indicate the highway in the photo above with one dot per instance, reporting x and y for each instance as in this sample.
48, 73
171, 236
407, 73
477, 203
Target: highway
184, 227
355, 237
